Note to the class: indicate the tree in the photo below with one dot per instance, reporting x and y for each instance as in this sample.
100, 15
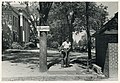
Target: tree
33, 16
62, 17
6, 28
44, 8
97, 16
88, 35
38, 17
59, 21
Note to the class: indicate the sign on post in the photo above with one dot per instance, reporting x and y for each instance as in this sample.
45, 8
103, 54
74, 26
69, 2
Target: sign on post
43, 28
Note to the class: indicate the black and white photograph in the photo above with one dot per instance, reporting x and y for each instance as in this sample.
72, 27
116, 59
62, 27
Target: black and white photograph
59, 41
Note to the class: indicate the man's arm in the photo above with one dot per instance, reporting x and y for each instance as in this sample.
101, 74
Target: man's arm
69, 46
61, 47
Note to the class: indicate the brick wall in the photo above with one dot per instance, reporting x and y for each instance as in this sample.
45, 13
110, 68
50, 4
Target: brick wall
111, 61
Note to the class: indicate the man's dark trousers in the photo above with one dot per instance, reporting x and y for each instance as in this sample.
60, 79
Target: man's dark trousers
65, 58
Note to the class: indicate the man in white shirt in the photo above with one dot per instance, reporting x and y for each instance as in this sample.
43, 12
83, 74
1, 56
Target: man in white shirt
65, 49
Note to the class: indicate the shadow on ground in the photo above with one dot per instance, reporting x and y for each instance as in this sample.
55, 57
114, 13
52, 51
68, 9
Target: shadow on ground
33, 58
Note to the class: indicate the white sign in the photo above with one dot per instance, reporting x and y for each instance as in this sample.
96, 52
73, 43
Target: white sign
43, 28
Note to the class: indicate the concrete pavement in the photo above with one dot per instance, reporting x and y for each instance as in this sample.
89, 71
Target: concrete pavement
27, 72
30, 72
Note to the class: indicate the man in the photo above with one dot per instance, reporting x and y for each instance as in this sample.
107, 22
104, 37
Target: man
65, 49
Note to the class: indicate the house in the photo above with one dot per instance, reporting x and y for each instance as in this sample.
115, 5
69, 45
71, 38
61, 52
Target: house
80, 39
11, 17
107, 47
17, 20
24, 22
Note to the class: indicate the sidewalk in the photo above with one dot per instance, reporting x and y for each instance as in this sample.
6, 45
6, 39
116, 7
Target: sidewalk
27, 72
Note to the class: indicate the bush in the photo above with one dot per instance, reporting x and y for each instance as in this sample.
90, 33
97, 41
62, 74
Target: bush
54, 44
29, 45
49, 40
6, 37
80, 46
16, 45
6, 44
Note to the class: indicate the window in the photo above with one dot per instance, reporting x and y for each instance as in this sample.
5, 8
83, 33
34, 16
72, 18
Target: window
13, 20
10, 19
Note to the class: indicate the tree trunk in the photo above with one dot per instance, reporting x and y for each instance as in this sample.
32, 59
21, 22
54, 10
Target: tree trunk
88, 35
70, 35
43, 52
43, 11
70, 31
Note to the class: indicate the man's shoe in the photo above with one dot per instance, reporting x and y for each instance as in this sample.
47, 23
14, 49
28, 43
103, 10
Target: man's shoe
62, 66
67, 65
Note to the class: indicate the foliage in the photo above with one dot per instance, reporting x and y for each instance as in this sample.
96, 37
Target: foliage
56, 15
6, 41
6, 36
54, 44
38, 15
16, 45
49, 40
58, 20
29, 45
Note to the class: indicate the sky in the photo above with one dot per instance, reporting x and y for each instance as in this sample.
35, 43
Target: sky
112, 7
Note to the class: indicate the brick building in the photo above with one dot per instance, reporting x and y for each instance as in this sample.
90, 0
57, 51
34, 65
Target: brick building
24, 25
107, 47
17, 20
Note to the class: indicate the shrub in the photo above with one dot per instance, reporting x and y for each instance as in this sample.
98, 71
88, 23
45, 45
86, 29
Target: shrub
49, 40
29, 45
6, 37
6, 43
54, 44
16, 45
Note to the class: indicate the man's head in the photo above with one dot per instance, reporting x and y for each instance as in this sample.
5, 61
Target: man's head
67, 40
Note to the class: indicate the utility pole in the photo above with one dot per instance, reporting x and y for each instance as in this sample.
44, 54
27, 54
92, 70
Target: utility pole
88, 35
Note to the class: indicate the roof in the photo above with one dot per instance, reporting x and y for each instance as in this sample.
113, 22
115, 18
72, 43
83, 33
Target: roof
111, 32
9, 8
19, 6
92, 32
111, 27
